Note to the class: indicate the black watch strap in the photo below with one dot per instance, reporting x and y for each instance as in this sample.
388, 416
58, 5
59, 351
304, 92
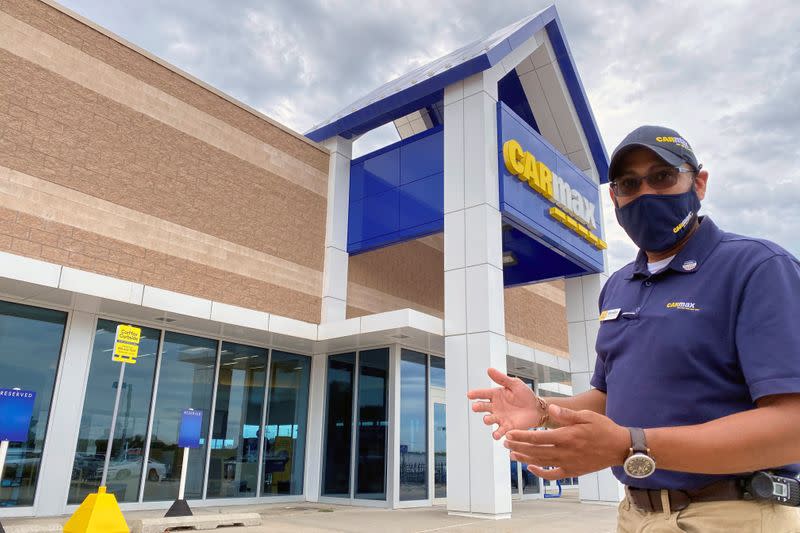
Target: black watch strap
638, 441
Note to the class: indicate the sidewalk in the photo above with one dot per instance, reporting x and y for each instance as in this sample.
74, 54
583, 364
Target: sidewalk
537, 516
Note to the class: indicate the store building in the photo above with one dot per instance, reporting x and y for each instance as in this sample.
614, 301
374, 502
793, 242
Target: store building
327, 314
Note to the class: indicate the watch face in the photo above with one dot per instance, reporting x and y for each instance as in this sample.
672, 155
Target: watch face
639, 465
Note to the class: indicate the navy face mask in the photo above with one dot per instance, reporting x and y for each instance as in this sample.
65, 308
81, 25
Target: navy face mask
657, 222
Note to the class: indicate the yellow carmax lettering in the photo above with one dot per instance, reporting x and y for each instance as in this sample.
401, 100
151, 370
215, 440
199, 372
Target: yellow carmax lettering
580, 229
531, 175
545, 181
540, 178
513, 155
558, 214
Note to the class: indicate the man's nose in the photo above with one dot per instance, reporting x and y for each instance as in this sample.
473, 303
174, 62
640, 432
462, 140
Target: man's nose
644, 188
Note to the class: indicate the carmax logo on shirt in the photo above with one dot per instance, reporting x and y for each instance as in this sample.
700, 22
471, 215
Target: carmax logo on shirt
683, 306
572, 209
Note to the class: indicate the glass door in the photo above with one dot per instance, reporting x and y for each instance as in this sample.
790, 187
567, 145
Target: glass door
438, 420
371, 429
336, 475
524, 484
356, 426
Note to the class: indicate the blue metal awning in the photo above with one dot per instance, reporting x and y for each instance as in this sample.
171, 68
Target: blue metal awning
425, 85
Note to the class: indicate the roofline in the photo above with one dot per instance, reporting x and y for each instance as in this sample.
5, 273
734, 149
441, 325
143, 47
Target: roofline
169, 66
350, 124
381, 111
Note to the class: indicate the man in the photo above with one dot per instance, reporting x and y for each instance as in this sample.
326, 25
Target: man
699, 344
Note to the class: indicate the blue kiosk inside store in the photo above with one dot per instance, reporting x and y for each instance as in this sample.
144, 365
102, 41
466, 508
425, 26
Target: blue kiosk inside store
500, 151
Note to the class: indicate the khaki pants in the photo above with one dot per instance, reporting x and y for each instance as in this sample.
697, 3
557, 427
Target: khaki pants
711, 517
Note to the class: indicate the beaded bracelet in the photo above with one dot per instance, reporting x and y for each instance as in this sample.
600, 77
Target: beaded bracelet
546, 416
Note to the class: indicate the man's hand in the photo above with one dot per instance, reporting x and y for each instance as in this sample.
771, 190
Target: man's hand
585, 442
511, 406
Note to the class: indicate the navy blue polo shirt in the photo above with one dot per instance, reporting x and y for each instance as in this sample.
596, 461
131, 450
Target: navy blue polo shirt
704, 338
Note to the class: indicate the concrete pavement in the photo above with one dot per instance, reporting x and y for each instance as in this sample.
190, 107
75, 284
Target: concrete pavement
537, 516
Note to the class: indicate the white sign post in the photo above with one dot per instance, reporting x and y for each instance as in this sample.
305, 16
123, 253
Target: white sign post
189, 432
3, 453
113, 425
184, 469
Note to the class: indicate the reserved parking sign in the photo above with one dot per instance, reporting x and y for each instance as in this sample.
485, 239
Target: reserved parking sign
189, 432
16, 409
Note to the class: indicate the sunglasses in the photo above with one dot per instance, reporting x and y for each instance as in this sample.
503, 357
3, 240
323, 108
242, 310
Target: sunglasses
660, 179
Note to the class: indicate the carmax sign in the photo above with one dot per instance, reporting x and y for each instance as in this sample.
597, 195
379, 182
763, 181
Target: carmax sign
571, 208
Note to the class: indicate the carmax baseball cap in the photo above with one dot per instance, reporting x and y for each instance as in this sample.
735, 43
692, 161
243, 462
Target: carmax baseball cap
664, 142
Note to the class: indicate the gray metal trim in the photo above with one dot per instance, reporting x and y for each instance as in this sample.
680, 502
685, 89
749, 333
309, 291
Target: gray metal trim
263, 428
214, 385
151, 415
353, 430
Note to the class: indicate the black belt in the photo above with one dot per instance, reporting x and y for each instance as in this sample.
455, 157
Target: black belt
649, 500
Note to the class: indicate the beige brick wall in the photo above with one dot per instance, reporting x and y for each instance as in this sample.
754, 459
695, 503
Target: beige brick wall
43, 239
536, 315
115, 152
411, 275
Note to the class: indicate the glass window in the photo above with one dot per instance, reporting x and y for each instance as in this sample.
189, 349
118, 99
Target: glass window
514, 484
439, 427
373, 373
339, 425
130, 432
285, 430
186, 377
233, 466
437, 373
30, 346
530, 482
413, 426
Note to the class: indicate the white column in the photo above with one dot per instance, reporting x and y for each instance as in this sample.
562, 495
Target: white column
67, 406
315, 430
478, 481
582, 294
334, 277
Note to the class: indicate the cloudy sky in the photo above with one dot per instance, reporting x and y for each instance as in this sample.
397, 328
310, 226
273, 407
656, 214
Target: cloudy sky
725, 74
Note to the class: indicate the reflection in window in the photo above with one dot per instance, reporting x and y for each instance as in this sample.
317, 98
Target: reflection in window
233, 467
30, 345
514, 480
373, 372
439, 427
413, 426
285, 431
529, 481
339, 425
185, 380
130, 432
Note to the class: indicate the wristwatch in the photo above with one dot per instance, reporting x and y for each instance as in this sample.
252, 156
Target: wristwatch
639, 463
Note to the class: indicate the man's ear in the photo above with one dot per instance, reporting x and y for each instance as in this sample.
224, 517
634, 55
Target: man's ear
613, 197
701, 184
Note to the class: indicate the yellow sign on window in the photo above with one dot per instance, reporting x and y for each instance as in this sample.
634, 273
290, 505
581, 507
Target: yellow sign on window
126, 344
